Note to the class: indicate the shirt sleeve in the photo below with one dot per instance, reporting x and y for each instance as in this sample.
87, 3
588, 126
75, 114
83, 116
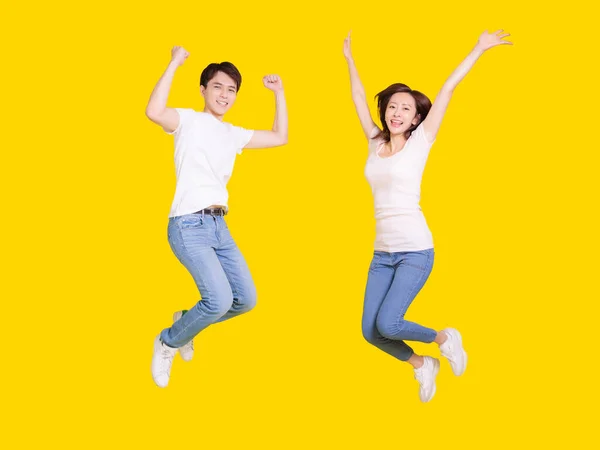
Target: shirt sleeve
186, 116
243, 136
419, 135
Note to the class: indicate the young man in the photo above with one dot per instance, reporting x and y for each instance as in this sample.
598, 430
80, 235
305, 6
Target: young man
205, 152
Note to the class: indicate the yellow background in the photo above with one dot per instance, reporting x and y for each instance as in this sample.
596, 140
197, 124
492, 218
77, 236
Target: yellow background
89, 280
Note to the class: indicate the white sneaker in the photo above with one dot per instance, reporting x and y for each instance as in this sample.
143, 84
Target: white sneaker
162, 358
453, 350
187, 351
425, 375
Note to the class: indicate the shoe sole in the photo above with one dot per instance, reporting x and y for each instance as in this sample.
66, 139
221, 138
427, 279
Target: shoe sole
459, 337
436, 370
436, 365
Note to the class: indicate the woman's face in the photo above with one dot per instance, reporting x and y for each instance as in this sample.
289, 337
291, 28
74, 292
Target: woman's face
401, 113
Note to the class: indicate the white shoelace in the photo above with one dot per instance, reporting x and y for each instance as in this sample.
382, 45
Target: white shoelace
420, 374
166, 356
448, 352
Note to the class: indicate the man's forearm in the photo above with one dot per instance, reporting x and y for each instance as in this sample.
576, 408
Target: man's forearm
160, 94
280, 125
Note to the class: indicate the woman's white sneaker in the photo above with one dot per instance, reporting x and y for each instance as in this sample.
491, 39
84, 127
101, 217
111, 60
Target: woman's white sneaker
425, 375
453, 350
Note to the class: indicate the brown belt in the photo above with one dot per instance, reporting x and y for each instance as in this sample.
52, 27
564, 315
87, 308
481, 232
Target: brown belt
212, 212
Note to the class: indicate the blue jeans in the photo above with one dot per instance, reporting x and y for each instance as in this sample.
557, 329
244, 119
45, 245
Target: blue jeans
203, 244
394, 281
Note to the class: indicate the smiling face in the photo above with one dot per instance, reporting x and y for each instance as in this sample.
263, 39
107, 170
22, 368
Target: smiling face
219, 94
401, 113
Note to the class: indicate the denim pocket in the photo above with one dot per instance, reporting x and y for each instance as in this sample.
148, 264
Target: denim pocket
190, 221
421, 260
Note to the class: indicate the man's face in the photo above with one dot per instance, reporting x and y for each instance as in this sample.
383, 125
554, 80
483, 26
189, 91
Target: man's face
219, 94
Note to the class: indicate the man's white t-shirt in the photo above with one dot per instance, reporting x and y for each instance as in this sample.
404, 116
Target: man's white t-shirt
396, 185
205, 151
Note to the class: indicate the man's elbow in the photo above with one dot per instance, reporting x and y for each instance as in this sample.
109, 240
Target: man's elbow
278, 138
153, 114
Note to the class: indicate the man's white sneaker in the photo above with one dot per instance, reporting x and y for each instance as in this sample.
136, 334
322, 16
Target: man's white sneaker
162, 358
425, 375
187, 351
453, 350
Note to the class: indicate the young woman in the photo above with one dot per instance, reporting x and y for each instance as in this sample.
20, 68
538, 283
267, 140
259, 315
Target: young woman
205, 151
404, 254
